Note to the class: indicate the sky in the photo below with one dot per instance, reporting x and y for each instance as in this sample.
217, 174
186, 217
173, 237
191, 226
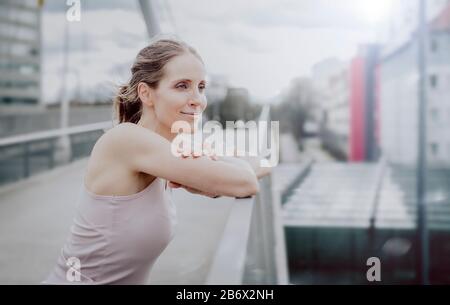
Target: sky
257, 44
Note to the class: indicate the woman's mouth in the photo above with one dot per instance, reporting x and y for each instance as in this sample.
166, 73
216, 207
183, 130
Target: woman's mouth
190, 113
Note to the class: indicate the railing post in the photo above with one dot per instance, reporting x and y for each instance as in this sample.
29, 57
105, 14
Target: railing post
51, 154
26, 160
282, 272
63, 149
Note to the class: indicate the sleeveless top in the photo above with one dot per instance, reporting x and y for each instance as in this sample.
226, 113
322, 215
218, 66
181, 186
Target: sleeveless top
116, 239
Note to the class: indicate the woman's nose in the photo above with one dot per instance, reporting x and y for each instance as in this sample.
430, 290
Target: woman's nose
194, 102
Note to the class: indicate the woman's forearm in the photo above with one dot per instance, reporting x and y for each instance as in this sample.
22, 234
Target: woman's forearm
252, 163
237, 161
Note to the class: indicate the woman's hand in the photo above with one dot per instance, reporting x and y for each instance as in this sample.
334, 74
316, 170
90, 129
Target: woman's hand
206, 152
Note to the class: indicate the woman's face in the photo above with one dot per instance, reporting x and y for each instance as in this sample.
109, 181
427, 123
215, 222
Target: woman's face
181, 92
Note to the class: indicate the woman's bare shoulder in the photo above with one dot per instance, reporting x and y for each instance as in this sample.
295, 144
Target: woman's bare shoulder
125, 140
111, 147
108, 155
122, 129
123, 133
113, 139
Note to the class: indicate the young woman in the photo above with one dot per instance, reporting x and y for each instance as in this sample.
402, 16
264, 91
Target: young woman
125, 217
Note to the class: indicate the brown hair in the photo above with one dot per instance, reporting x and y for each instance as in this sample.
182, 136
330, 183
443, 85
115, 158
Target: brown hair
148, 67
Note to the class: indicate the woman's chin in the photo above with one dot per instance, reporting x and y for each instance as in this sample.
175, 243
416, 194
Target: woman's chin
194, 123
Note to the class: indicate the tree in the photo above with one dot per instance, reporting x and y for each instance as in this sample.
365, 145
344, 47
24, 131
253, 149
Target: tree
237, 106
296, 107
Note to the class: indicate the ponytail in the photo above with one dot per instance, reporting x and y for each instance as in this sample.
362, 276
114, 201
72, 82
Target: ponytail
127, 105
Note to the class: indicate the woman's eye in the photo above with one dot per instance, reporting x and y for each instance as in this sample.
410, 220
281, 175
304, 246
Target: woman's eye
182, 86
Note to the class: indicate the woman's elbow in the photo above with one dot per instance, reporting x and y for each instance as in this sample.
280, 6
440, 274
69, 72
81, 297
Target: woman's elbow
249, 187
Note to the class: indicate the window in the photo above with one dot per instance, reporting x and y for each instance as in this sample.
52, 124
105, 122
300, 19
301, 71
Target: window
434, 115
433, 81
434, 149
434, 45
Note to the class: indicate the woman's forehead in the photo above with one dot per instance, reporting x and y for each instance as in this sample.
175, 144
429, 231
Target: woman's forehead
185, 66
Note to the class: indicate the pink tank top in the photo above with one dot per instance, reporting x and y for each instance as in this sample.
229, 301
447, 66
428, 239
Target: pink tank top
116, 239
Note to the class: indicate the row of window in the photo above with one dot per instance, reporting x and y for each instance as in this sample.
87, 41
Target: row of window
6, 84
7, 100
437, 150
25, 69
15, 12
439, 81
18, 49
435, 45
438, 116
19, 32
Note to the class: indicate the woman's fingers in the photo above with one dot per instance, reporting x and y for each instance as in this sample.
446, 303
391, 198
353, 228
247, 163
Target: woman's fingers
191, 190
206, 151
174, 185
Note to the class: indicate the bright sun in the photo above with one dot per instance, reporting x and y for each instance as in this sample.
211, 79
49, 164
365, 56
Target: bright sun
374, 11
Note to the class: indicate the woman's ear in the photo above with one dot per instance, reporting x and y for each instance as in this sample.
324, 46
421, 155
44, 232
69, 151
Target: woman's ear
145, 93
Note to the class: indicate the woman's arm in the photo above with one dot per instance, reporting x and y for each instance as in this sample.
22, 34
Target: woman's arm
253, 162
145, 151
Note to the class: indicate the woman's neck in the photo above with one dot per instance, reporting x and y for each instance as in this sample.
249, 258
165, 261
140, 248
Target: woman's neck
155, 126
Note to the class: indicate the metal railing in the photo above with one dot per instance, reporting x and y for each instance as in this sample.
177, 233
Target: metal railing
23, 155
252, 249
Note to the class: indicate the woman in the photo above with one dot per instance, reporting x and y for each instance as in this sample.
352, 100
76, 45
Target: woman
125, 218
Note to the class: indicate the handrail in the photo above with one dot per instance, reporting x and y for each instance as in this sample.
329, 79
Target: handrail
380, 171
44, 135
305, 171
56, 146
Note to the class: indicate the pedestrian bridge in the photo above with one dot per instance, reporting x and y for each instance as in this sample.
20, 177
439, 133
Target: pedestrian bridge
309, 218
217, 241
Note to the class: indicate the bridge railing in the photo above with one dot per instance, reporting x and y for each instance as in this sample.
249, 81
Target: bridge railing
23, 155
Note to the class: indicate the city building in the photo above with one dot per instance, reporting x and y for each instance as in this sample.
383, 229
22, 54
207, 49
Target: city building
20, 55
399, 97
364, 118
331, 82
349, 99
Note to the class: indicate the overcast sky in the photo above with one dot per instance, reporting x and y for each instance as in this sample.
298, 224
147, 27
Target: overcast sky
257, 44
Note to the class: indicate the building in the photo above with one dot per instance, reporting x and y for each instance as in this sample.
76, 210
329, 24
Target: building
349, 95
364, 117
331, 82
399, 97
20, 56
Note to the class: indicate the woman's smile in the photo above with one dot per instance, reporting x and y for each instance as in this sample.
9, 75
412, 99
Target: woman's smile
191, 114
